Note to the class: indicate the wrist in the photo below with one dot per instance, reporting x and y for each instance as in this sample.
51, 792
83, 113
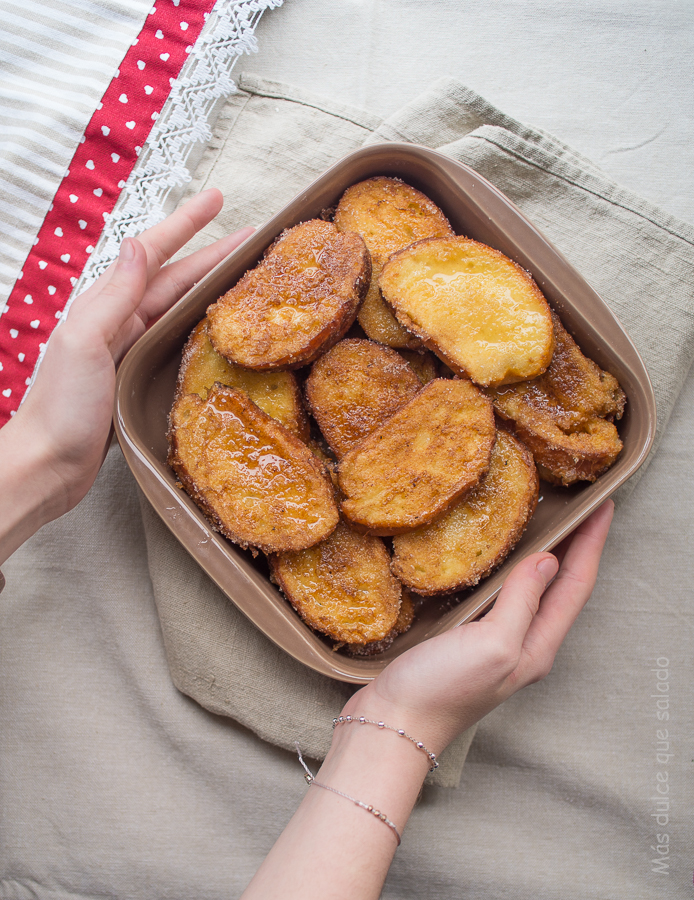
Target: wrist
31, 493
429, 727
377, 766
335, 837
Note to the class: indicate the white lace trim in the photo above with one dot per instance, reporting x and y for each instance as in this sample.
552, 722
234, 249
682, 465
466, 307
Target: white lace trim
184, 126
168, 159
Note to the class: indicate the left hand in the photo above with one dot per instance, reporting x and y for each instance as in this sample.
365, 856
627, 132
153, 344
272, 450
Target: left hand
70, 406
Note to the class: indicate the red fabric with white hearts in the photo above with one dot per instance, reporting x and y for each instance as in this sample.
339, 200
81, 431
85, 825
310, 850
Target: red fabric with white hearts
98, 172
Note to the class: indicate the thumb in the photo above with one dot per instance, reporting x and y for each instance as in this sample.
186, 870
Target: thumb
111, 311
519, 598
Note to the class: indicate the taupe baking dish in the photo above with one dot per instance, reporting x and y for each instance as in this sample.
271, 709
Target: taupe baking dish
147, 376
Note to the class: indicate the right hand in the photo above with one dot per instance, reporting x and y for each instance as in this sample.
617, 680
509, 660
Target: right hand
444, 685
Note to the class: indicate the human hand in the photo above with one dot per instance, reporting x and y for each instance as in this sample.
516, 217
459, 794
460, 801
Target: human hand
433, 691
71, 402
444, 685
54, 446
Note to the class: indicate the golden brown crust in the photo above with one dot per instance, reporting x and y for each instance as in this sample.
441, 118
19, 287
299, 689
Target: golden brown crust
564, 416
297, 302
412, 461
342, 587
276, 393
259, 484
425, 364
574, 389
477, 534
403, 624
354, 388
475, 308
380, 324
320, 449
405, 617
389, 215
419, 462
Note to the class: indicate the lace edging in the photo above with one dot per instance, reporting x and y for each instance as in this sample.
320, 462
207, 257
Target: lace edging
185, 123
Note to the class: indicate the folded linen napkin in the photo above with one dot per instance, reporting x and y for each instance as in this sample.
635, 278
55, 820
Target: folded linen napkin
272, 140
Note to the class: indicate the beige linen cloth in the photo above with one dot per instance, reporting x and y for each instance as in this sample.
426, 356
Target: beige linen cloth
115, 784
270, 142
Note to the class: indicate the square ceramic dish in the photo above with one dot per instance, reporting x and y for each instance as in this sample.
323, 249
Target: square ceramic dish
475, 208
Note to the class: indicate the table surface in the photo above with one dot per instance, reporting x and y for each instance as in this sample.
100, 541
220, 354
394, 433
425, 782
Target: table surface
614, 81
557, 794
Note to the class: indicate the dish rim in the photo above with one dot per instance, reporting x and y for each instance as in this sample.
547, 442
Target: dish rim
581, 309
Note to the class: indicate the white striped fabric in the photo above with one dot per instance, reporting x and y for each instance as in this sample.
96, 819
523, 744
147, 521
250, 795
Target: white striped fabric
55, 64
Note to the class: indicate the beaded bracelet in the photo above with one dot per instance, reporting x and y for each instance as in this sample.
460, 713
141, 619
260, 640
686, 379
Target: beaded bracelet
382, 817
362, 720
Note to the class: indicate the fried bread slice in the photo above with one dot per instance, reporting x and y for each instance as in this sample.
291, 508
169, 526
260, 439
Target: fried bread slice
477, 310
296, 303
319, 447
276, 393
470, 540
354, 388
425, 364
420, 461
342, 587
255, 480
565, 416
389, 215
402, 624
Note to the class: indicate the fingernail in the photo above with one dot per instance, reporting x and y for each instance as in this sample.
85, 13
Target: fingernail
548, 568
127, 250
211, 191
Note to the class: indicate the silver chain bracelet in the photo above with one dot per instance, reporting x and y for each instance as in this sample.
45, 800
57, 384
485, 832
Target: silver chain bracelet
382, 817
362, 720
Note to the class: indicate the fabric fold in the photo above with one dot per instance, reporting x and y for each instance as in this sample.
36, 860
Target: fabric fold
221, 660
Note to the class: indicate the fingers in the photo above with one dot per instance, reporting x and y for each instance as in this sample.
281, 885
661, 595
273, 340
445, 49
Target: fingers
588, 540
519, 598
174, 280
578, 573
529, 614
567, 595
450, 681
166, 285
166, 238
109, 314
